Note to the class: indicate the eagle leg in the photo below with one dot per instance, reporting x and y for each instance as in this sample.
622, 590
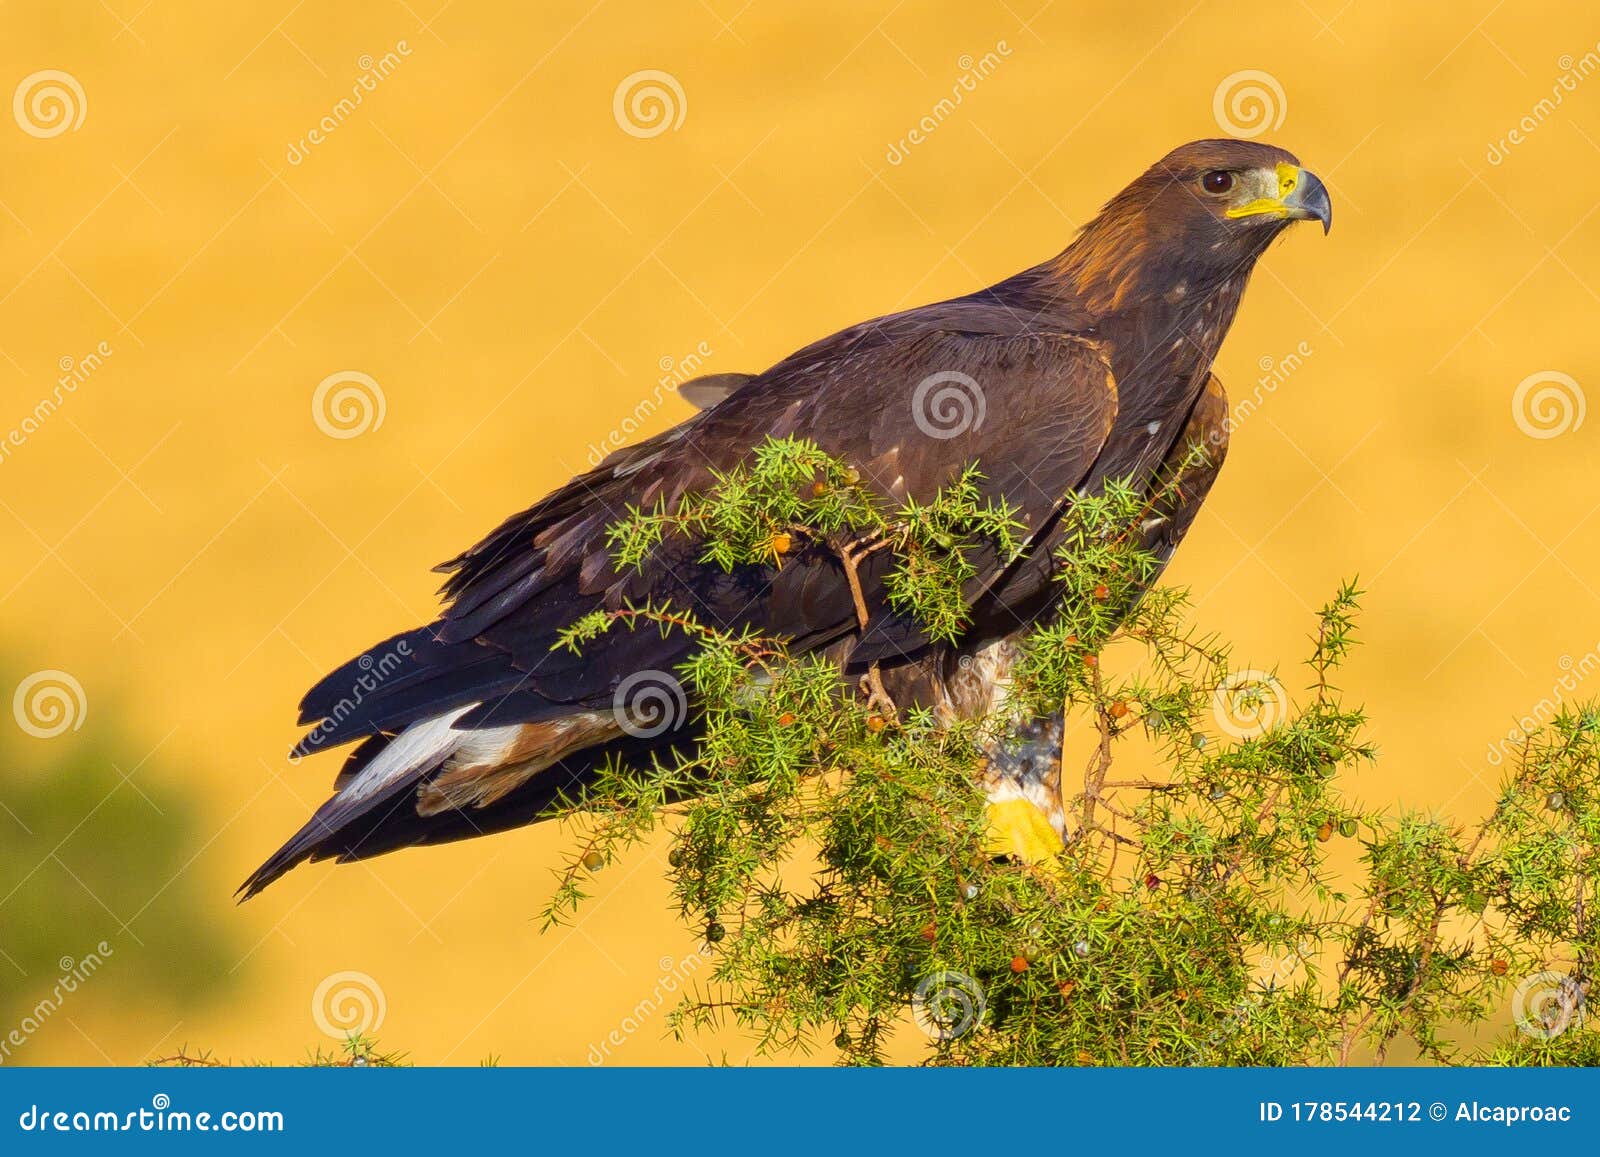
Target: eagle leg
1022, 776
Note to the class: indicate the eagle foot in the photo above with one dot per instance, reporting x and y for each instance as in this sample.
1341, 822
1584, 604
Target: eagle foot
1021, 831
877, 696
1022, 775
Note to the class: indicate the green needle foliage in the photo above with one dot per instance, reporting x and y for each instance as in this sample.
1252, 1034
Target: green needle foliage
793, 497
1225, 901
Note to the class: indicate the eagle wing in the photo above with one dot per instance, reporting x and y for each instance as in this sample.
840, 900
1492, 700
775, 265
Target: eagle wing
1043, 405
472, 705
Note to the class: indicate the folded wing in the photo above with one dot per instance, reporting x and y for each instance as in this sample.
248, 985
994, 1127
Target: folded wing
460, 718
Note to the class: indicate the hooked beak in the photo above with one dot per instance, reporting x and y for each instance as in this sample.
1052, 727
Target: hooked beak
1301, 196
1308, 200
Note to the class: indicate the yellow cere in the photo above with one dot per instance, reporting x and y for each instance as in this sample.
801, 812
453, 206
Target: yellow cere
1288, 178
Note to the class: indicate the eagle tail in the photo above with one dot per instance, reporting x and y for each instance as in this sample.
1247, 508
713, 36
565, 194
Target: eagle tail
375, 778
312, 841
441, 779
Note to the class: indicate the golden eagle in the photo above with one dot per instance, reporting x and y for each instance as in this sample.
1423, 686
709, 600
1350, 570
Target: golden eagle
1093, 366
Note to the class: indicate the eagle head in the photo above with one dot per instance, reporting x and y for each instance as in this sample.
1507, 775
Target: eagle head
1228, 188
1199, 216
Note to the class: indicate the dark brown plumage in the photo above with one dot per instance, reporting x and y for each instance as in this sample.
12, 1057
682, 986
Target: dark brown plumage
1092, 366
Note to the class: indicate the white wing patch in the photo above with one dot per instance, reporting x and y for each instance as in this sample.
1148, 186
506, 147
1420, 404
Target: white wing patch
424, 744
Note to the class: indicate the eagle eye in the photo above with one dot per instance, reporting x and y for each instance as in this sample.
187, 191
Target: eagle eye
1217, 181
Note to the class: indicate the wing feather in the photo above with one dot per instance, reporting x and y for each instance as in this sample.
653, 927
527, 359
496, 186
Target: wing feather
1042, 400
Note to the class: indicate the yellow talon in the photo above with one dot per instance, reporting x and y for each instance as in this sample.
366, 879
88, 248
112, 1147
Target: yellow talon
1018, 829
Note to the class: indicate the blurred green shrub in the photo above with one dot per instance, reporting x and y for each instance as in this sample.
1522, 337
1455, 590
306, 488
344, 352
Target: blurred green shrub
99, 897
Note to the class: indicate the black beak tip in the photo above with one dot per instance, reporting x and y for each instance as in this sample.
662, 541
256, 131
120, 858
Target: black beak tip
1314, 198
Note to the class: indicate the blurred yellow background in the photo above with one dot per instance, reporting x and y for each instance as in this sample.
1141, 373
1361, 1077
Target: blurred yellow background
515, 254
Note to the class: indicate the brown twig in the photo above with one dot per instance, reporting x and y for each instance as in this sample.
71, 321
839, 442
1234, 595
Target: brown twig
1094, 776
851, 554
